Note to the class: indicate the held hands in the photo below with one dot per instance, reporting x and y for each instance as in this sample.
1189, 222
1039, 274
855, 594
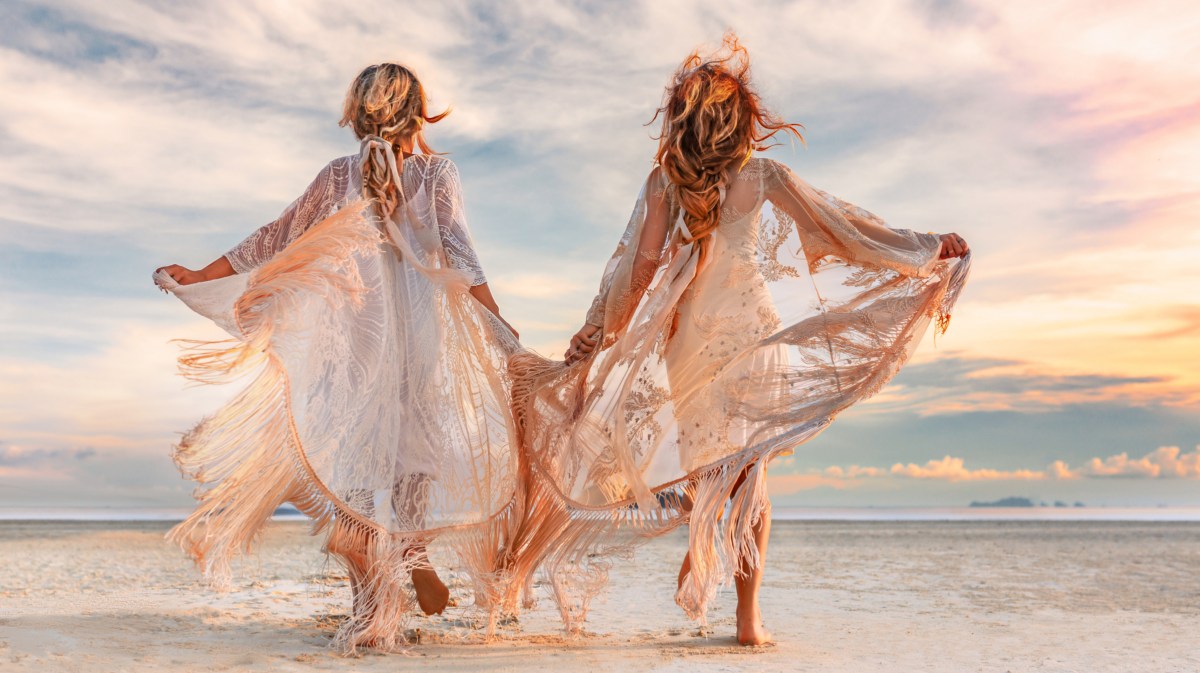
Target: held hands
953, 245
583, 343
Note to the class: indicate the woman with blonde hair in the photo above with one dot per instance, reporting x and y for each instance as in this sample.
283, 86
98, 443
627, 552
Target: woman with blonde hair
377, 402
743, 310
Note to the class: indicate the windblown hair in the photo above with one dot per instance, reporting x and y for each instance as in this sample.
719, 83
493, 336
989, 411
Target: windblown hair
386, 103
712, 120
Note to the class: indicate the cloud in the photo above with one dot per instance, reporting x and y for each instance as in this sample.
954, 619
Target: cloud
953, 469
116, 392
1059, 469
1167, 462
1163, 463
955, 383
785, 484
26, 465
12, 455
853, 472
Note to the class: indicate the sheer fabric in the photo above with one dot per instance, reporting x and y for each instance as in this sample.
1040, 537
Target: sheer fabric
341, 179
717, 355
377, 401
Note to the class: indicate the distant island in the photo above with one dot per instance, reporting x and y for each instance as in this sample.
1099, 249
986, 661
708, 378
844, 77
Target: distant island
1020, 502
1005, 502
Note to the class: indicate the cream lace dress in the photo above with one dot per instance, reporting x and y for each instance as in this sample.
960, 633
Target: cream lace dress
717, 356
376, 396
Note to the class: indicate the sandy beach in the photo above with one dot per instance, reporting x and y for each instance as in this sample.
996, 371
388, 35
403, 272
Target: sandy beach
838, 596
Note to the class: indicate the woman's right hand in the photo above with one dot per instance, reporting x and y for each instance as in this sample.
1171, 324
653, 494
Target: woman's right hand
182, 275
583, 343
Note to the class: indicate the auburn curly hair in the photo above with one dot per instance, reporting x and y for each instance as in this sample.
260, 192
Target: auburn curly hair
712, 120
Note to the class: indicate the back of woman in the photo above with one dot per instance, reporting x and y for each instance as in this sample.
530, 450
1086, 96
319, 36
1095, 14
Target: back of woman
742, 310
726, 309
376, 401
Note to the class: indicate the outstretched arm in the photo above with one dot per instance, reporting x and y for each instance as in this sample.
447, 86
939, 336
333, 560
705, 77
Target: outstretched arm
829, 226
218, 268
311, 207
623, 288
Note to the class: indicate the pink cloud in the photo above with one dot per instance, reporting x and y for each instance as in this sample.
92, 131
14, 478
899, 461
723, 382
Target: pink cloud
954, 469
1061, 470
853, 472
1165, 462
25, 474
784, 484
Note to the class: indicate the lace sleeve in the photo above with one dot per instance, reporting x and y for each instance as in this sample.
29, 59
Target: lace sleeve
316, 203
452, 223
828, 226
648, 224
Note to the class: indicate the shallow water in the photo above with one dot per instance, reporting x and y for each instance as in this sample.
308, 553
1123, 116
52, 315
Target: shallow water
851, 596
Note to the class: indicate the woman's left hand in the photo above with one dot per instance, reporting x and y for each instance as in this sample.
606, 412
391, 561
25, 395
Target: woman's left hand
953, 245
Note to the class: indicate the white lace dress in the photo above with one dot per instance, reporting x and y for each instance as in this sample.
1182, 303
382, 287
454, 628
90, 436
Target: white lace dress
431, 183
339, 182
377, 398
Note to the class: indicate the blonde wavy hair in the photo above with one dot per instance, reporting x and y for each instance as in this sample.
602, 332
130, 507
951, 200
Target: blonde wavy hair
385, 105
712, 120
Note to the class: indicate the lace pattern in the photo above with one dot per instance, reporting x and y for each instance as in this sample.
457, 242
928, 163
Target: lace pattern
377, 395
804, 305
340, 181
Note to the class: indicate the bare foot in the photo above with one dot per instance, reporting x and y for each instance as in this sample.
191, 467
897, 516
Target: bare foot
432, 594
750, 631
684, 569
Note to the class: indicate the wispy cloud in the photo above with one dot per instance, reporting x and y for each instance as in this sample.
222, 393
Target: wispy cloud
955, 383
31, 465
12, 455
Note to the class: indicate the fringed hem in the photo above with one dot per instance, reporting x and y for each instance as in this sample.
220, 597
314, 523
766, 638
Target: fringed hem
575, 543
249, 460
248, 454
722, 502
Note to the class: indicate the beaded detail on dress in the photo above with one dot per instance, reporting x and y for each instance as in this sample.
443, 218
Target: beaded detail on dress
803, 305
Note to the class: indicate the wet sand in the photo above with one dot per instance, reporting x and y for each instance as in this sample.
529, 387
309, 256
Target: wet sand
838, 596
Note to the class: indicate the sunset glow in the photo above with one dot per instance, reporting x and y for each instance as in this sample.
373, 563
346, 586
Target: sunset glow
1061, 139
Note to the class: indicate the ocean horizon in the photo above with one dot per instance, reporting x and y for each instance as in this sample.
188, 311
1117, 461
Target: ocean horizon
849, 514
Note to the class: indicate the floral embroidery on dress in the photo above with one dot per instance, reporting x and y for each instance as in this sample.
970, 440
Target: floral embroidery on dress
771, 237
759, 351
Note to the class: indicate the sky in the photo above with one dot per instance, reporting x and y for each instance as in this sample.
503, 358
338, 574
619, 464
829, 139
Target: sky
1061, 139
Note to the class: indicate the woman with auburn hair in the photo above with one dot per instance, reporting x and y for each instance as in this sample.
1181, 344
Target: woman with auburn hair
375, 354
742, 311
